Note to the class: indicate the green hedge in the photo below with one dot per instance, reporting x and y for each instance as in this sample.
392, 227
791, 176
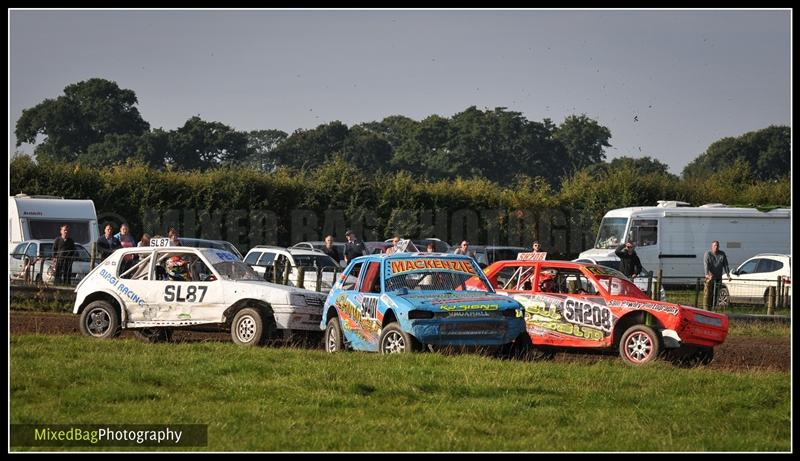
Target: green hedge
340, 196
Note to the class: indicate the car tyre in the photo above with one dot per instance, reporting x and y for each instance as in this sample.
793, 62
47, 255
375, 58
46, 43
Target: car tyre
639, 344
250, 328
100, 320
396, 341
333, 340
153, 335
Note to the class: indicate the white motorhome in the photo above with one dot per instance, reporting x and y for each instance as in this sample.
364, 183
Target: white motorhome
40, 217
674, 236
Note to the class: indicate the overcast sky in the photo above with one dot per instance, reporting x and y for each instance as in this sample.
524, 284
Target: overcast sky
666, 83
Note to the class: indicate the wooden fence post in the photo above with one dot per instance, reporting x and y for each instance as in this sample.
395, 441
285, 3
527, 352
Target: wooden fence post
770, 300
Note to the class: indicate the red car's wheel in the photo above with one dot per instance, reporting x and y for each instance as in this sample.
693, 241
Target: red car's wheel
639, 345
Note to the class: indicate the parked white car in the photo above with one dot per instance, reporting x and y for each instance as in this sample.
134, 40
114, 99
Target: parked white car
185, 287
750, 281
36, 258
640, 282
264, 259
317, 245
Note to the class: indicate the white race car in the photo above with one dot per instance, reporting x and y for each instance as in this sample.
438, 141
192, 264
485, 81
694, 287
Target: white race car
155, 290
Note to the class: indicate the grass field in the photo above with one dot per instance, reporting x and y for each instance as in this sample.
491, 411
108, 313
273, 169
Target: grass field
279, 399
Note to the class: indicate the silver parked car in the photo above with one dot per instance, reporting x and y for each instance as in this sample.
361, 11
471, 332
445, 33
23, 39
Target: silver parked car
36, 258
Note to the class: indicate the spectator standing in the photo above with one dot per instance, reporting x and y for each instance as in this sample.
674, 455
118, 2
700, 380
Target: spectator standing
715, 262
64, 252
126, 240
145, 241
107, 243
354, 247
393, 249
174, 241
630, 264
463, 249
331, 250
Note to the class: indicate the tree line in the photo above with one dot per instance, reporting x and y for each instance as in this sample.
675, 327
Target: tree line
95, 123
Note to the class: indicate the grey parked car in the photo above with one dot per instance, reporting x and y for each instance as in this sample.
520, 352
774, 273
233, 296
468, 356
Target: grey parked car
36, 257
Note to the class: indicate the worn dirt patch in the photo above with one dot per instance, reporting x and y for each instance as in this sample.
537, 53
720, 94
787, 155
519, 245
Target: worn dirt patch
736, 353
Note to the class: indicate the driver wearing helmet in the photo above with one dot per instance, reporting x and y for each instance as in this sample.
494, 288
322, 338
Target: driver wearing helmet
547, 283
177, 269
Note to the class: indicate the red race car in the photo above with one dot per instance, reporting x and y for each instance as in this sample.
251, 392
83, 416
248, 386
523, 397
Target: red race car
580, 305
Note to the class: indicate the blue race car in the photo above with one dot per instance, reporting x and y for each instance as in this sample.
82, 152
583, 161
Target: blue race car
405, 301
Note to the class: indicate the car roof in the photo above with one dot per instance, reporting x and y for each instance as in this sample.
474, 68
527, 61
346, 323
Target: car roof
266, 247
404, 255
762, 255
46, 241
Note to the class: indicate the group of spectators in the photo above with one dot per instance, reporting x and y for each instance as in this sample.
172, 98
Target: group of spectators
715, 261
64, 248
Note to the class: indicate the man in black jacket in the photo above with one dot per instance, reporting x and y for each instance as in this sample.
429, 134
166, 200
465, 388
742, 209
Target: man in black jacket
63, 252
353, 248
630, 265
107, 243
331, 250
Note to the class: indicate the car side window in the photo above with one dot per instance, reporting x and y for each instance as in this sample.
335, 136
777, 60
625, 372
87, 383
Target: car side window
252, 258
372, 279
351, 279
140, 269
267, 259
765, 266
199, 271
31, 250
174, 266
749, 267
645, 232
503, 275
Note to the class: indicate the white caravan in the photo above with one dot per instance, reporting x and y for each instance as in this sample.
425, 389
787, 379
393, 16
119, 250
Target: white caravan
674, 236
40, 217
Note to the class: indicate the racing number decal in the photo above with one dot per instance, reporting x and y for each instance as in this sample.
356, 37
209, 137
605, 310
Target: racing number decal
173, 293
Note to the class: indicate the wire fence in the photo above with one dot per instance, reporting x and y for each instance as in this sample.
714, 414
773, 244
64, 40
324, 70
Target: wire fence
741, 294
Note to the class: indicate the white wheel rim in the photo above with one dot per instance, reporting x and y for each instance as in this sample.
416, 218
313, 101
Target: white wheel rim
98, 321
332, 340
394, 343
246, 329
638, 347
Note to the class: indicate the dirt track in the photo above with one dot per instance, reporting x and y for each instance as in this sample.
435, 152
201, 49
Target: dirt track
737, 353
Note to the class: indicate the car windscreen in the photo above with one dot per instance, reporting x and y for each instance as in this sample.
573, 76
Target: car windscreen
611, 233
236, 270
434, 281
426, 273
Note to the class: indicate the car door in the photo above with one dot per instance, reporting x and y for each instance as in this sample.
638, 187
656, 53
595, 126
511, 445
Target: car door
252, 261
154, 298
356, 311
741, 286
